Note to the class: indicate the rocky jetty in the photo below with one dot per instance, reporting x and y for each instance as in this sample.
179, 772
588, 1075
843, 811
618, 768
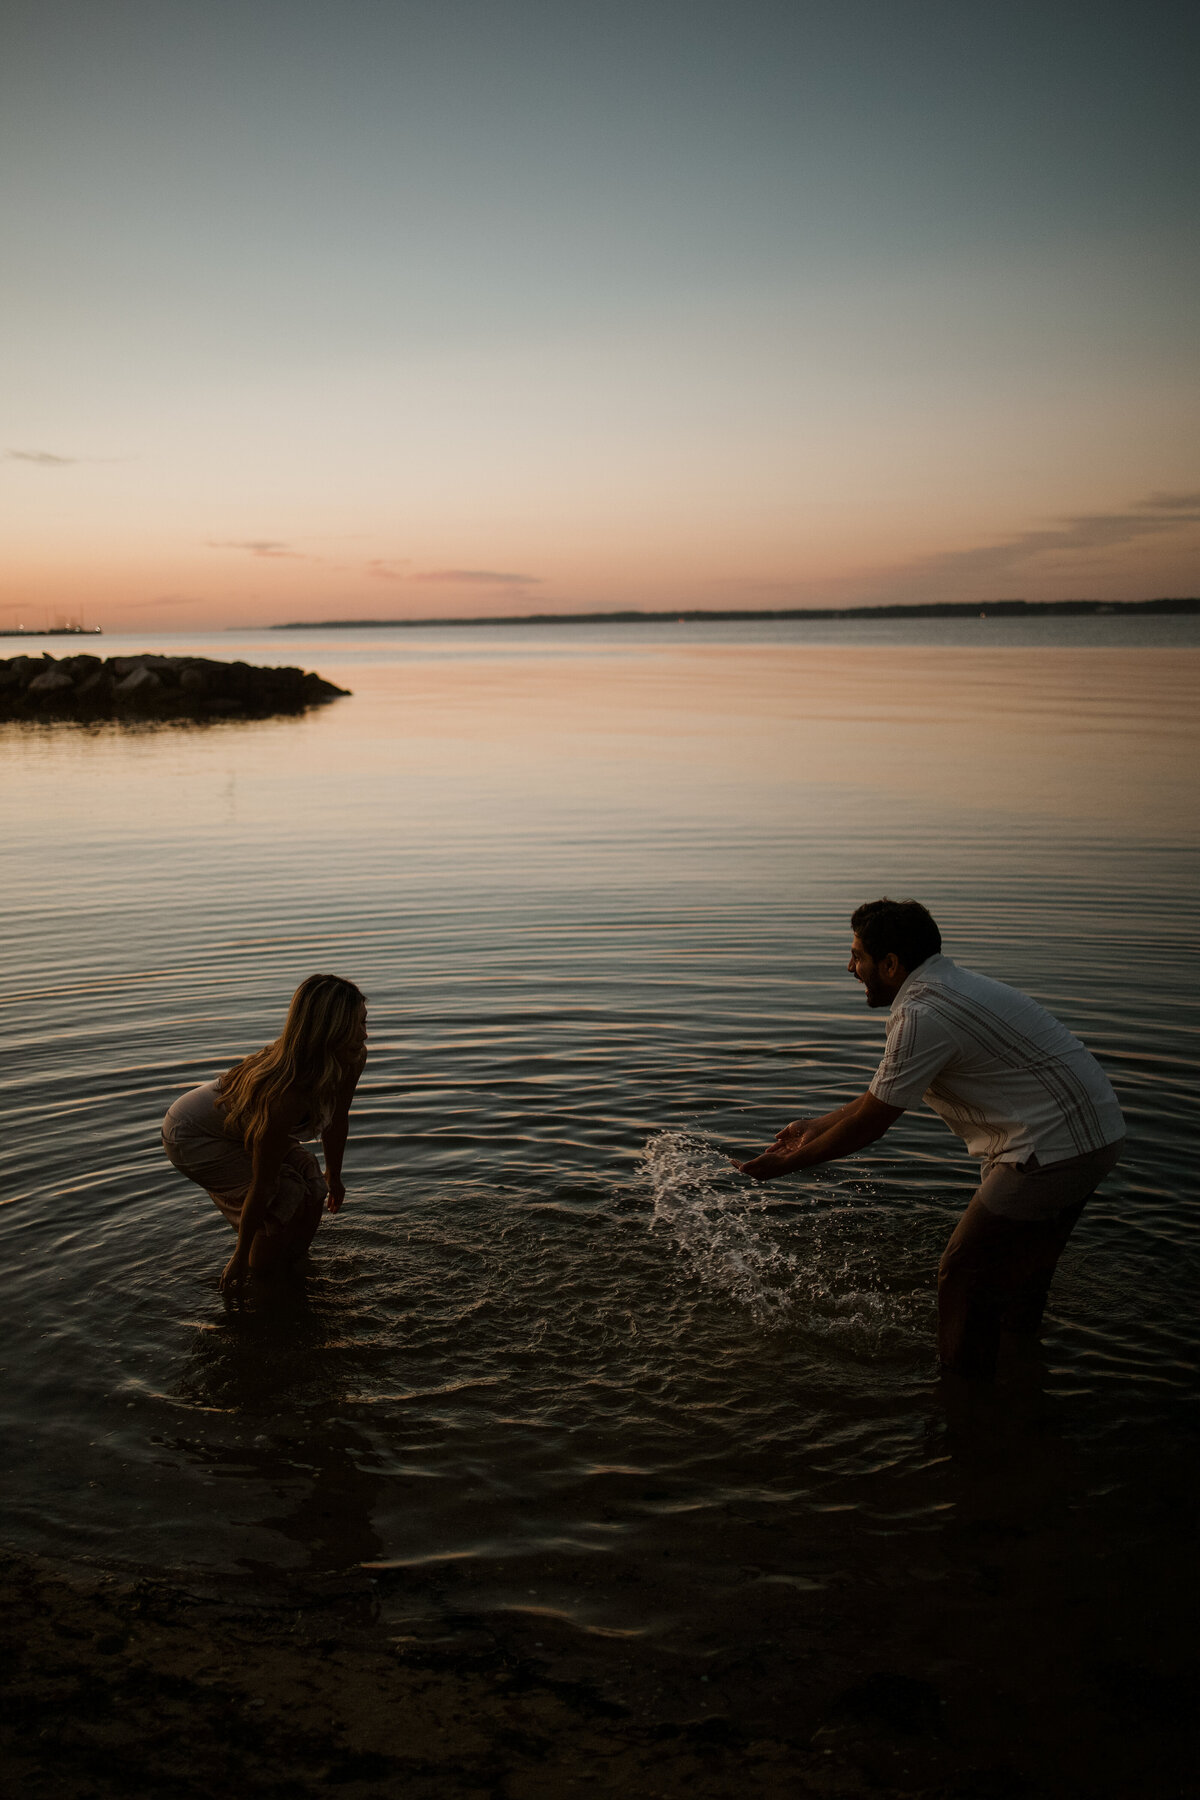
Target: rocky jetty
92, 688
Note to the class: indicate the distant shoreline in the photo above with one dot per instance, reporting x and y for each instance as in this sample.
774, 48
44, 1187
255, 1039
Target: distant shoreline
940, 609
51, 631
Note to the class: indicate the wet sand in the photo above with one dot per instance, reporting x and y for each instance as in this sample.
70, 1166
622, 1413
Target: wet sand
1037, 1667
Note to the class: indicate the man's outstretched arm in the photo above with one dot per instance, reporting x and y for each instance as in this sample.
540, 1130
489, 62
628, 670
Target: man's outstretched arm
838, 1134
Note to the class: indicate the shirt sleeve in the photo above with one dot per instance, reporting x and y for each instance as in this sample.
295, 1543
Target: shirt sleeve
918, 1049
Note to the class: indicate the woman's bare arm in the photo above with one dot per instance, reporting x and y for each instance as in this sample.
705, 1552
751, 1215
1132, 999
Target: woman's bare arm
333, 1140
266, 1162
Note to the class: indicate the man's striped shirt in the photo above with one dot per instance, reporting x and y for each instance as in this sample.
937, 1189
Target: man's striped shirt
1004, 1074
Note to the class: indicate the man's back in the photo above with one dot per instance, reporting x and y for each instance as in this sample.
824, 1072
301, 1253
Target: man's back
1005, 1075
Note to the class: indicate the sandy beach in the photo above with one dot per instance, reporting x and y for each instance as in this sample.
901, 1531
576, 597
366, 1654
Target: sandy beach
1009, 1682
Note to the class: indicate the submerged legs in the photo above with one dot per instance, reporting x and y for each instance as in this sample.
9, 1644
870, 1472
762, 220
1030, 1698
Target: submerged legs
994, 1276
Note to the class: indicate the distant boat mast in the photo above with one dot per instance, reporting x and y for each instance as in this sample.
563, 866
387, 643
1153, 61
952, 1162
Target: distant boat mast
63, 626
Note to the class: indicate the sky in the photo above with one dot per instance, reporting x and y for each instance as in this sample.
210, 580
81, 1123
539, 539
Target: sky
432, 308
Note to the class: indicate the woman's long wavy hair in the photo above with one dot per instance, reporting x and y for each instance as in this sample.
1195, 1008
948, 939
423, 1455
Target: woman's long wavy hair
315, 1055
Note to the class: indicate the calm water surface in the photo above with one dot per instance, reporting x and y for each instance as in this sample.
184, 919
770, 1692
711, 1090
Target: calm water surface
552, 1357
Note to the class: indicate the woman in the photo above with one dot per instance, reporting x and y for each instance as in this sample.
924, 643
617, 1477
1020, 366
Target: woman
238, 1137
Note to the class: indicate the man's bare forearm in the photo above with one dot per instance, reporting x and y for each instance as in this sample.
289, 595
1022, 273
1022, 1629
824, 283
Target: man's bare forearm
808, 1143
851, 1128
814, 1127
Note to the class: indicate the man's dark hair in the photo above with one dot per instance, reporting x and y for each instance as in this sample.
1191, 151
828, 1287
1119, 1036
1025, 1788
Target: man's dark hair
900, 926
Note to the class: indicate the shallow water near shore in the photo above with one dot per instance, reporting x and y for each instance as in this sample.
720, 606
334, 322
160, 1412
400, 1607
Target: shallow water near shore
556, 1360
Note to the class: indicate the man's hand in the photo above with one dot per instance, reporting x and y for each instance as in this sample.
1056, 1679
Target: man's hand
777, 1159
766, 1166
807, 1142
780, 1157
336, 1194
795, 1134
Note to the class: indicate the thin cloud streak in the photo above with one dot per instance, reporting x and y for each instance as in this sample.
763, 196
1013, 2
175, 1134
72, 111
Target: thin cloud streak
164, 600
1077, 539
479, 578
45, 459
269, 547
1171, 503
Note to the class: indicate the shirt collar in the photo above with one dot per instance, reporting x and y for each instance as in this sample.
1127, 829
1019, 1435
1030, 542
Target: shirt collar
933, 965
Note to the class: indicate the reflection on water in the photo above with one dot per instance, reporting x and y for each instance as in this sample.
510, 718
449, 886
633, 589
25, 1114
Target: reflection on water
555, 1357
269, 1370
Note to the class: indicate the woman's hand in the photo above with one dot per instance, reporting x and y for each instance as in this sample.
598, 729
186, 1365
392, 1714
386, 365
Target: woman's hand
336, 1194
233, 1275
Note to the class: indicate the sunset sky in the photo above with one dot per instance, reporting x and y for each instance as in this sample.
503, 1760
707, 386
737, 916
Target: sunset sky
394, 309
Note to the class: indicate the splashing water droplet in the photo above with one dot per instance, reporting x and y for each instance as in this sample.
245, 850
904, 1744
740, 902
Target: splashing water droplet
719, 1226
827, 1268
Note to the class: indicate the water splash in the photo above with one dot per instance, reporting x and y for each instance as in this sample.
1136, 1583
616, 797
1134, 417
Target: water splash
830, 1269
718, 1226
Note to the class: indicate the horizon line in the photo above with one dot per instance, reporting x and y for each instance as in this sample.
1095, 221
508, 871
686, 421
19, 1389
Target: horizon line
691, 615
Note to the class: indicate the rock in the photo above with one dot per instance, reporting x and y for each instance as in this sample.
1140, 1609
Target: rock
140, 680
145, 688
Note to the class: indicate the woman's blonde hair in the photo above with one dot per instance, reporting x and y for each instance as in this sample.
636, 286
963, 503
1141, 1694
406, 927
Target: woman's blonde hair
316, 1054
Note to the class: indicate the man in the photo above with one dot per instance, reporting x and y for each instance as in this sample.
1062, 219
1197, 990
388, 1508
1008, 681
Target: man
1013, 1083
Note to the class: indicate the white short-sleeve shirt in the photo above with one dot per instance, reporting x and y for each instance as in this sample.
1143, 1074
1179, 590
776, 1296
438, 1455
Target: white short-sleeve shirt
1004, 1074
